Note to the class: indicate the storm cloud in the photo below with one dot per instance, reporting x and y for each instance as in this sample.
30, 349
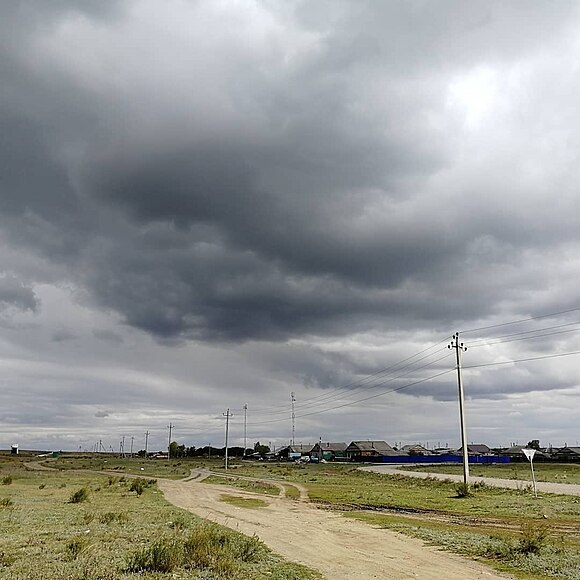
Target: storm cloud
241, 200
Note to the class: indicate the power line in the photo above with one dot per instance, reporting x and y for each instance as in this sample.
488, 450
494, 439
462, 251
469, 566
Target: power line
517, 336
506, 362
350, 403
354, 385
521, 320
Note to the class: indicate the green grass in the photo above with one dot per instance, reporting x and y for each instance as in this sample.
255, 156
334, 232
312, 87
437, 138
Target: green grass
344, 485
169, 469
489, 524
292, 492
245, 484
550, 472
115, 533
246, 502
530, 551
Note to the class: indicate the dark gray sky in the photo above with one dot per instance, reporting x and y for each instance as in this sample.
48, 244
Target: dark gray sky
207, 204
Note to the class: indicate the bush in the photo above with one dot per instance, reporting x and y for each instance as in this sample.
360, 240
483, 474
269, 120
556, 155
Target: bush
138, 485
462, 490
7, 480
163, 556
79, 496
76, 546
6, 502
207, 547
534, 536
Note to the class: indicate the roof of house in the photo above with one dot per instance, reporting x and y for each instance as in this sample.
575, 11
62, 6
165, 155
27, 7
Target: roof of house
517, 450
571, 450
381, 447
300, 448
479, 448
340, 446
415, 447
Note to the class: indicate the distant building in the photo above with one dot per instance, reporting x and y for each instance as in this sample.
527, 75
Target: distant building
415, 449
329, 451
478, 449
567, 454
361, 450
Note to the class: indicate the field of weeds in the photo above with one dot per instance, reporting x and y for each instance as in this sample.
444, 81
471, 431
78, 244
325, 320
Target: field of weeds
511, 530
71, 525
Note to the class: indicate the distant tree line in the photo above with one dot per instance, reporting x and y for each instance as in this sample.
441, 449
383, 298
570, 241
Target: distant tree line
177, 451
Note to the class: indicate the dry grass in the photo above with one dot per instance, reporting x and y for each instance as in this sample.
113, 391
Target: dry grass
46, 536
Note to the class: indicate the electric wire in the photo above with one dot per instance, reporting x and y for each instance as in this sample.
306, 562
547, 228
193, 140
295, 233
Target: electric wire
331, 393
339, 395
550, 315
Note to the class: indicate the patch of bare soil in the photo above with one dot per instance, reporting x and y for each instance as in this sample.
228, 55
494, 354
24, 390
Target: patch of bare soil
338, 547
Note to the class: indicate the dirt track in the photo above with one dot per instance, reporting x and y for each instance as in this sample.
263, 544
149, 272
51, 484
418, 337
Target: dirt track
338, 547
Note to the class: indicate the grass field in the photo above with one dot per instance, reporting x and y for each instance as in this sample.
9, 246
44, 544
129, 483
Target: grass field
509, 529
72, 525
550, 472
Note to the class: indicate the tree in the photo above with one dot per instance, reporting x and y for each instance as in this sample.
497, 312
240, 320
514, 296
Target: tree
258, 448
534, 444
176, 450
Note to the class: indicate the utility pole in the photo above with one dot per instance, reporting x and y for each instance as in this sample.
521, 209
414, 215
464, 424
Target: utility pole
170, 427
293, 399
132, 439
459, 347
146, 442
227, 415
245, 427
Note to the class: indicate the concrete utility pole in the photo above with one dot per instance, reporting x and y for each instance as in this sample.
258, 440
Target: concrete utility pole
245, 427
146, 443
170, 427
227, 415
293, 399
132, 439
459, 347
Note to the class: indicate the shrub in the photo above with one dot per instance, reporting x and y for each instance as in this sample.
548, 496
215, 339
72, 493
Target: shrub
7, 480
6, 502
110, 517
76, 546
79, 496
163, 556
138, 485
534, 536
462, 490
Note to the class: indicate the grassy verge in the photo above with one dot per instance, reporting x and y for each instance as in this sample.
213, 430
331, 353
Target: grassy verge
245, 502
72, 525
173, 469
550, 472
245, 484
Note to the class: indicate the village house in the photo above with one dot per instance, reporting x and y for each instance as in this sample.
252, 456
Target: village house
361, 450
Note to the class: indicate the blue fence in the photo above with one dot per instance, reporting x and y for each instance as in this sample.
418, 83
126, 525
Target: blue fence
435, 459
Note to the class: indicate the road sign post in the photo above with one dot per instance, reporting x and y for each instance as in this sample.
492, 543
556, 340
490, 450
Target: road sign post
529, 453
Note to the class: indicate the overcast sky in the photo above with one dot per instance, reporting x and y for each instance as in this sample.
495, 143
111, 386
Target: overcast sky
211, 204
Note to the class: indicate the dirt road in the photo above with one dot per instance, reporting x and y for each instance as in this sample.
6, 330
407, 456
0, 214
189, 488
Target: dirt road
338, 547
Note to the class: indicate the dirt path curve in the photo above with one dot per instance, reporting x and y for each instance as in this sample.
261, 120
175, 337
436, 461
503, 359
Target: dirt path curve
340, 548
542, 486
201, 473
